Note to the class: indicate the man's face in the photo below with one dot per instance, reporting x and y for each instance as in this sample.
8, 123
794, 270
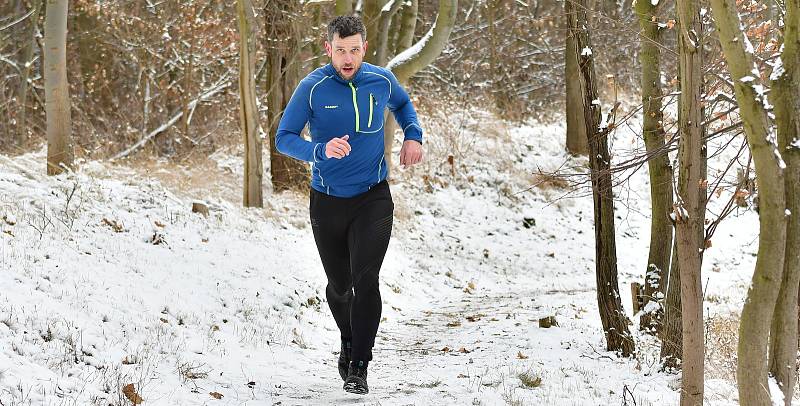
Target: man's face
346, 54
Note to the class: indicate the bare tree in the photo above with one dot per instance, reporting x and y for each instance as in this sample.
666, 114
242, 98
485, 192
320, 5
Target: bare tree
759, 307
418, 56
577, 139
27, 61
248, 113
282, 75
612, 313
57, 105
786, 99
690, 207
658, 259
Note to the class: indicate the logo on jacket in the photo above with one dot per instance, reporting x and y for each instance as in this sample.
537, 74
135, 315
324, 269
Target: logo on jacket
331, 107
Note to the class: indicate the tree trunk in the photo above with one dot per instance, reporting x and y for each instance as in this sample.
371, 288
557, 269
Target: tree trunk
382, 51
408, 25
786, 98
409, 62
577, 140
187, 74
752, 368
248, 113
658, 166
612, 314
27, 60
405, 40
690, 208
671, 328
286, 172
344, 7
57, 103
372, 20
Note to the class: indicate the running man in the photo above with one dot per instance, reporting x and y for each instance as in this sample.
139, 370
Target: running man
350, 206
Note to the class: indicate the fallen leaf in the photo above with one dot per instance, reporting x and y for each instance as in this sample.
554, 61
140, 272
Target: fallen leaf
454, 324
216, 395
446, 349
464, 350
520, 355
117, 227
130, 392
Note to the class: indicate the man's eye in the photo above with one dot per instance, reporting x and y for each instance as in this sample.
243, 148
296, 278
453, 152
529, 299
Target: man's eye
341, 51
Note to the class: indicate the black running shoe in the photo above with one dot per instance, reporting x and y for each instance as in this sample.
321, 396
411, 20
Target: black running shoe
356, 381
344, 359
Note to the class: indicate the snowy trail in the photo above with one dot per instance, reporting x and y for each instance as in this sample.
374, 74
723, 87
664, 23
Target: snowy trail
189, 308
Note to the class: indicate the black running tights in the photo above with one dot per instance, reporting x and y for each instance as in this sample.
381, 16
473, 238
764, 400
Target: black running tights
352, 235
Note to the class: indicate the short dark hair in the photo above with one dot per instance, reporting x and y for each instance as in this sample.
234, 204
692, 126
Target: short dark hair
346, 26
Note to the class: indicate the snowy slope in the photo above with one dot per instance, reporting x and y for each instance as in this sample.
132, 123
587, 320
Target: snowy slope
187, 307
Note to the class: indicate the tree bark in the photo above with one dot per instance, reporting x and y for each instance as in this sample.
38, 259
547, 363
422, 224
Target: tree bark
671, 328
408, 25
248, 112
759, 307
577, 140
187, 74
612, 313
659, 167
405, 39
287, 173
408, 63
27, 60
57, 103
414, 59
344, 7
690, 208
382, 51
372, 20
786, 99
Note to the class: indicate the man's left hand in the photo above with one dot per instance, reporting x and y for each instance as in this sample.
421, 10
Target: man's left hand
410, 153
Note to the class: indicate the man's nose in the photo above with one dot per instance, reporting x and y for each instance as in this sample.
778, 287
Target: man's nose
348, 58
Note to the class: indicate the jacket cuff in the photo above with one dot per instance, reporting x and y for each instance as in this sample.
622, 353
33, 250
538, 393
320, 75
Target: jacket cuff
319, 152
412, 132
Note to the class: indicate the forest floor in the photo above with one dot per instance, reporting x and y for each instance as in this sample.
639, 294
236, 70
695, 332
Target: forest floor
107, 279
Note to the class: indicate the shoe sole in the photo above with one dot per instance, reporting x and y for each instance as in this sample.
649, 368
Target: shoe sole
353, 388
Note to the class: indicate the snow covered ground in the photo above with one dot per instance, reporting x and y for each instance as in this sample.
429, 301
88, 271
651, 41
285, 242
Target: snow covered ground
107, 279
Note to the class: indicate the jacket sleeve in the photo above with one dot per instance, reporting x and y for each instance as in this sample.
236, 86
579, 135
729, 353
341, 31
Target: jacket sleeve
288, 139
400, 105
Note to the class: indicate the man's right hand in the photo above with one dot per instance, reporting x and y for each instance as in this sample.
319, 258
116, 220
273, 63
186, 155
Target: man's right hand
337, 147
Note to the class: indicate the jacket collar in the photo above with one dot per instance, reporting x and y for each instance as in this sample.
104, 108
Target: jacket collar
330, 70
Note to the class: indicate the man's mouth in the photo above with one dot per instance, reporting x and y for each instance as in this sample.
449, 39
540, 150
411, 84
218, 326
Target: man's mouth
347, 70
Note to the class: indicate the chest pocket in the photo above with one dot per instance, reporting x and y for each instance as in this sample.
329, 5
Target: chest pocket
372, 121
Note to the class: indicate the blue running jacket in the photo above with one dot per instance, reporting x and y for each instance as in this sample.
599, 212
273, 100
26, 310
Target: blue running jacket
334, 107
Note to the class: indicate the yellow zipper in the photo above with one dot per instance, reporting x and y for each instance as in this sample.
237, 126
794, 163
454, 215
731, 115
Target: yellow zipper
355, 106
369, 123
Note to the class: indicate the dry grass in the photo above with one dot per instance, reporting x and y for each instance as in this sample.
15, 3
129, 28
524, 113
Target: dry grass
721, 341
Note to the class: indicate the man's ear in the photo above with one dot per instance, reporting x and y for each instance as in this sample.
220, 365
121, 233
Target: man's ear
328, 49
365, 47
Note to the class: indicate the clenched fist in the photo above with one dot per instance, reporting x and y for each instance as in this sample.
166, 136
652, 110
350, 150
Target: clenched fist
410, 153
337, 147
